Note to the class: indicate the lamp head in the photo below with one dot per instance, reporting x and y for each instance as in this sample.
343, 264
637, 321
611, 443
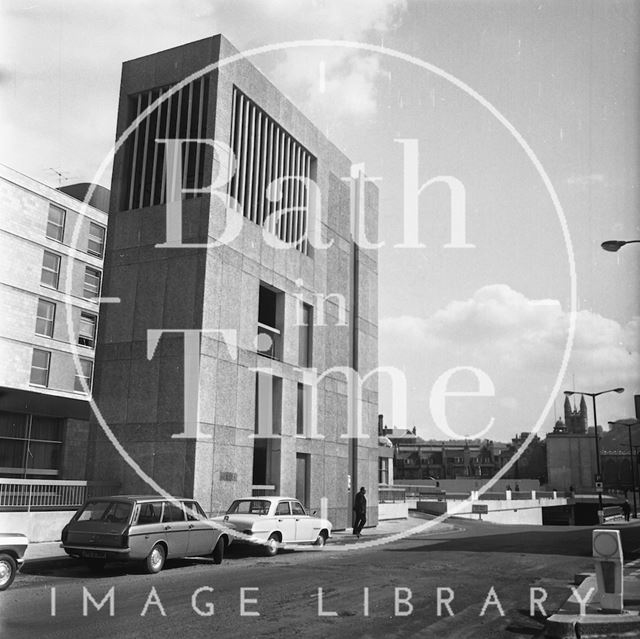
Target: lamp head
613, 245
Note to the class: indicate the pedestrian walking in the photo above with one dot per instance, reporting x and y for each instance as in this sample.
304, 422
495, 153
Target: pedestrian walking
626, 509
360, 509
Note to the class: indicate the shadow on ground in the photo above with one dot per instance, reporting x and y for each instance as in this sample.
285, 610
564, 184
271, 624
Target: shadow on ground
547, 540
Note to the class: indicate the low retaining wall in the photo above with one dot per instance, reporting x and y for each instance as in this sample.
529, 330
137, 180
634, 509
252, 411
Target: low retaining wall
399, 510
508, 511
37, 526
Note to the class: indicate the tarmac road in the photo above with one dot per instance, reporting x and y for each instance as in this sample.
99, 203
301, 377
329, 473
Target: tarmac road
339, 591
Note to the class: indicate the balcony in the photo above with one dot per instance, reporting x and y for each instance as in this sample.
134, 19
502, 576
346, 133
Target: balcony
269, 342
27, 495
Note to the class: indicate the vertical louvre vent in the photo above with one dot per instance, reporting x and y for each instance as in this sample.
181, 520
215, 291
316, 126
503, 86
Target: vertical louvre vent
266, 153
182, 116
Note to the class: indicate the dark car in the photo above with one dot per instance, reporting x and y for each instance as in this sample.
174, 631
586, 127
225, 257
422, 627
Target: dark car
148, 529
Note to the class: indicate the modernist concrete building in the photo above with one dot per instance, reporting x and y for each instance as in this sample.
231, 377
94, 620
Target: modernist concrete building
262, 313
51, 252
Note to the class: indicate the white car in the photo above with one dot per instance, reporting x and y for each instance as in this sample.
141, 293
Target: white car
12, 549
274, 522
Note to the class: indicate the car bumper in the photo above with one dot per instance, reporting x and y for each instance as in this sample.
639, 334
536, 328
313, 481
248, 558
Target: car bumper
97, 552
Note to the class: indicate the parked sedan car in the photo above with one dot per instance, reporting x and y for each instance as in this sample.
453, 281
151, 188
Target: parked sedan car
149, 529
12, 549
276, 521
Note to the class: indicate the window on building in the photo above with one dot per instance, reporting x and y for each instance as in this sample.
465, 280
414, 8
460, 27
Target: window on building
86, 366
55, 223
383, 470
305, 344
92, 277
40, 362
267, 155
30, 445
268, 405
303, 420
270, 322
95, 245
45, 318
50, 269
183, 115
87, 331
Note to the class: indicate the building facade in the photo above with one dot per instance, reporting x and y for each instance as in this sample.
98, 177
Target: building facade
417, 458
51, 254
236, 298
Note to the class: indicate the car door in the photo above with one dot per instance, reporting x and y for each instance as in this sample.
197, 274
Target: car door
285, 521
307, 527
176, 529
201, 534
147, 529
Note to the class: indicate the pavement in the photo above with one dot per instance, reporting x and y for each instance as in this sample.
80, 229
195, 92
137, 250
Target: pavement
586, 620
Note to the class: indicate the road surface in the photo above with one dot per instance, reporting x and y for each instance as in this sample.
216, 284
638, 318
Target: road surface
475, 582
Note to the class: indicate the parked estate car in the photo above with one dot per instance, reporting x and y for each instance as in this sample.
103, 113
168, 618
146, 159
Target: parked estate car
12, 549
276, 521
149, 529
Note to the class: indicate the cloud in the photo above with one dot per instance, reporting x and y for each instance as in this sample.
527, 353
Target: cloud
519, 344
61, 65
327, 83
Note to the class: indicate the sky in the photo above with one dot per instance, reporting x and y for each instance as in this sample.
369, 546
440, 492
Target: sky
529, 107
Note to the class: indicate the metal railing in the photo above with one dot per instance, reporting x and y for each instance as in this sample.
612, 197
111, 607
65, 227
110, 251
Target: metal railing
269, 341
388, 495
43, 494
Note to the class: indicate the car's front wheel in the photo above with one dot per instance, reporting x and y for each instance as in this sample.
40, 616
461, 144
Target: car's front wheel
271, 547
321, 539
8, 570
218, 552
155, 559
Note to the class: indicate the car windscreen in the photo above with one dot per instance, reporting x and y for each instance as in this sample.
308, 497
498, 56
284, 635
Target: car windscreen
110, 511
249, 507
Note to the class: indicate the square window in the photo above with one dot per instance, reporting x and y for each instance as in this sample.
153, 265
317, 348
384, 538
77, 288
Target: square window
87, 332
45, 318
87, 372
96, 239
92, 278
40, 367
50, 269
55, 223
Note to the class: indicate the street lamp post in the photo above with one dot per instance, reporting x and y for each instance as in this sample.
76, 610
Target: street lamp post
635, 450
616, 245
595, 424
629, 423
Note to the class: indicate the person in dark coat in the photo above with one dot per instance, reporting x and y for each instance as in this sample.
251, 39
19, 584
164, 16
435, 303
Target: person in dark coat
360, 508
626, 509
